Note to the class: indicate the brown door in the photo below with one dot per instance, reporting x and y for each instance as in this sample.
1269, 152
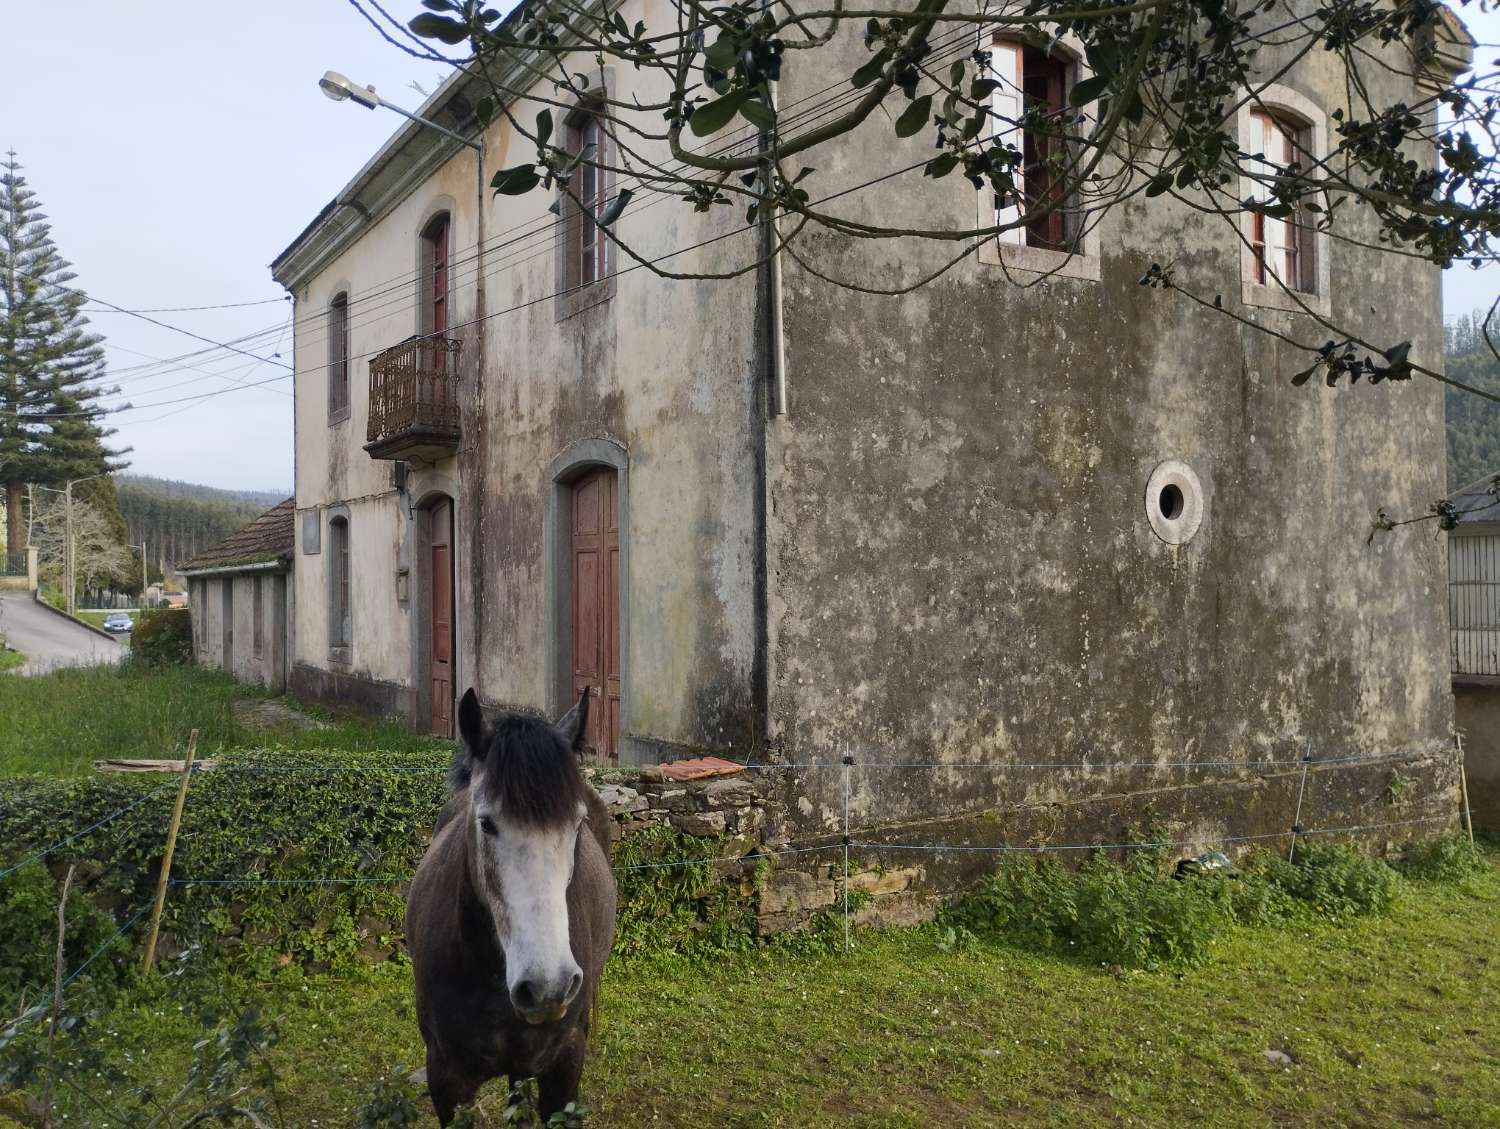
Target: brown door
440, 574
596, 606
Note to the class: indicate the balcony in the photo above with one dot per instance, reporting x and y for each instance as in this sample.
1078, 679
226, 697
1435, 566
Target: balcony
414, 407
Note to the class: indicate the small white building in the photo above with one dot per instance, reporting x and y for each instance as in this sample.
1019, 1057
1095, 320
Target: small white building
240, 593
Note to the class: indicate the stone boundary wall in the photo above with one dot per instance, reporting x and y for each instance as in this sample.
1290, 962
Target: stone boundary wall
750, 812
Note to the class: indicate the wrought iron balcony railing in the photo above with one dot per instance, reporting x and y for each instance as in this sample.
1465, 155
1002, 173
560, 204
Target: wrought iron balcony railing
414, 406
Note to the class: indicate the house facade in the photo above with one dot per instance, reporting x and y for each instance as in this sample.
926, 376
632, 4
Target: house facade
240, 593
1030, 513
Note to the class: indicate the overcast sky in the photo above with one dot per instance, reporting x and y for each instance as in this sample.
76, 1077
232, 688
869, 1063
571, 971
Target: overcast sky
178, 148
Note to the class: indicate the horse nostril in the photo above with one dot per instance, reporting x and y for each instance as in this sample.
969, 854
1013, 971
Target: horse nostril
574, 984
523, 995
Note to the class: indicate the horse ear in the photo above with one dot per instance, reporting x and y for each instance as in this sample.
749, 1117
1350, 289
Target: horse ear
471, 724
574, 724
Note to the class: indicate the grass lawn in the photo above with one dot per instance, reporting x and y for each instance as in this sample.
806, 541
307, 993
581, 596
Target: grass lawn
10, 660
60, 723
1388, 1021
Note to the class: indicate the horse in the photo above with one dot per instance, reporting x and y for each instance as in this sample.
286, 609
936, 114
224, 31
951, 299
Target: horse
511, 914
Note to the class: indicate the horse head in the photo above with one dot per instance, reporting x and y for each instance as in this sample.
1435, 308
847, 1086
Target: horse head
526, 806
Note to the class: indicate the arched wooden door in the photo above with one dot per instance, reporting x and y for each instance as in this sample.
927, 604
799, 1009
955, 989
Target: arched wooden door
440, 615
595, 567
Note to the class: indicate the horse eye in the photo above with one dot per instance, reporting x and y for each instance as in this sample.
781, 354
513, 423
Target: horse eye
487, 825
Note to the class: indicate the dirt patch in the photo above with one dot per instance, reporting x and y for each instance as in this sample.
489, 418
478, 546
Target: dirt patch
268, 713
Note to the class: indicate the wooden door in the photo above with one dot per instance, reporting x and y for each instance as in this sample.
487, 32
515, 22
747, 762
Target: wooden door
440, 605
595, 567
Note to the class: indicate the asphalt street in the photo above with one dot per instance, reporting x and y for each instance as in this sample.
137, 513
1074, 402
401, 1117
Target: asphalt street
49, 640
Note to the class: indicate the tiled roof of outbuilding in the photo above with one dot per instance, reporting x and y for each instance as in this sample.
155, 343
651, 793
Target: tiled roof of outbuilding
270, 537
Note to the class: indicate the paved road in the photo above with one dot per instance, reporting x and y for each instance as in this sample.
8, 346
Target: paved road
49, 640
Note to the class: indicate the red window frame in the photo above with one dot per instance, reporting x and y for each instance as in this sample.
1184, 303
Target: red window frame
588, 249
1276, 138
1044, 81
338, 340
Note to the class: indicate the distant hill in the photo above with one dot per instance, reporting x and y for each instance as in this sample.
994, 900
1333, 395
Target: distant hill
1473, 423
170, 487
177, 520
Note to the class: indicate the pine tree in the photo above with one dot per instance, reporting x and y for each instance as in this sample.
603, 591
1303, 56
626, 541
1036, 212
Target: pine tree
50, 364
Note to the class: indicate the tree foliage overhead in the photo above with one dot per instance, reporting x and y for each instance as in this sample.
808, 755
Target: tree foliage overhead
1409, 165
50, 364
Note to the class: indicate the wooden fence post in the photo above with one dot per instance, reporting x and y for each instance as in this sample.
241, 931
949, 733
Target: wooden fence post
1463, 785
166, 859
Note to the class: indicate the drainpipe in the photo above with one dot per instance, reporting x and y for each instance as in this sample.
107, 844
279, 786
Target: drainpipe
767, 402
478, 454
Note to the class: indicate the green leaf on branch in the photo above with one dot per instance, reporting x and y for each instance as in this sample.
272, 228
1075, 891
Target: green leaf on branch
429, 26
714, 116
543, 127
914, 117
758, 114
871, 70
940, 166
515, 181
1088, 90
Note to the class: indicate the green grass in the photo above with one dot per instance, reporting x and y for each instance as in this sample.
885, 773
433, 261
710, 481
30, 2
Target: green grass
10, 660
60, 723
1390, 1021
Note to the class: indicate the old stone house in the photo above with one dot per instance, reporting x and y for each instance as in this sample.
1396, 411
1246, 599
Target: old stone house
240, 593
1032, 513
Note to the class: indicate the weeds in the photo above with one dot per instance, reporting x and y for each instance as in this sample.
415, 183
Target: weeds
1136, 915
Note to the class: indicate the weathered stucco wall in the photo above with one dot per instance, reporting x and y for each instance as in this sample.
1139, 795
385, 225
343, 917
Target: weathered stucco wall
962, 565
380, 273
234, 651
664, 372
661, 372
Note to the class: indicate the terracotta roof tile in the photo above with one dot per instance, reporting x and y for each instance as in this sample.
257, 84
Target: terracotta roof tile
268, 538
700, 768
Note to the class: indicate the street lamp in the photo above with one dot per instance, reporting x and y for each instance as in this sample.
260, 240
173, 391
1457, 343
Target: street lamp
337, 87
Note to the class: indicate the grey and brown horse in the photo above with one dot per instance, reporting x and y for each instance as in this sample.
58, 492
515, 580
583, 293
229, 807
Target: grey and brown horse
512, 913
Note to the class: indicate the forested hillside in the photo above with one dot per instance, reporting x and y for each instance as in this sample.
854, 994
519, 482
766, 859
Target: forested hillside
179, 519
1473, 423
172, 488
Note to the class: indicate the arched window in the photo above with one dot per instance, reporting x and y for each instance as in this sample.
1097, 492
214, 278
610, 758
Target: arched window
340, 606
1281, 245
433, 308
588, 249
1284, 257
338, 358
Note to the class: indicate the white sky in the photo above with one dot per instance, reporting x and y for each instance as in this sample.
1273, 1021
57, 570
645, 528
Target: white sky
177, 149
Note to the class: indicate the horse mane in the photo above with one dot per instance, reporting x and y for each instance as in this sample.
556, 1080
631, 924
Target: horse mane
528, 769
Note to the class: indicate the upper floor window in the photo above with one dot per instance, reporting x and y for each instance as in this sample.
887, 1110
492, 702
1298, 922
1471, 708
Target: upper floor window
1031, 79
1284, 256
338, 358
434, 308
340, 610
1280, 246
587, 250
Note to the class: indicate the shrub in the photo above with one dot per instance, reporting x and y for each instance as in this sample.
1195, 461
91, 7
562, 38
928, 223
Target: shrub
1136, 915
163, 637
28, 932
1446, 858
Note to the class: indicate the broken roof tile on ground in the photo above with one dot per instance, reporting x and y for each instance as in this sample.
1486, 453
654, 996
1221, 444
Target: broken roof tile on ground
700, 768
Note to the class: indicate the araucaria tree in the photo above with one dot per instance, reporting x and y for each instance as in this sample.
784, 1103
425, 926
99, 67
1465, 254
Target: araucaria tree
50, 364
